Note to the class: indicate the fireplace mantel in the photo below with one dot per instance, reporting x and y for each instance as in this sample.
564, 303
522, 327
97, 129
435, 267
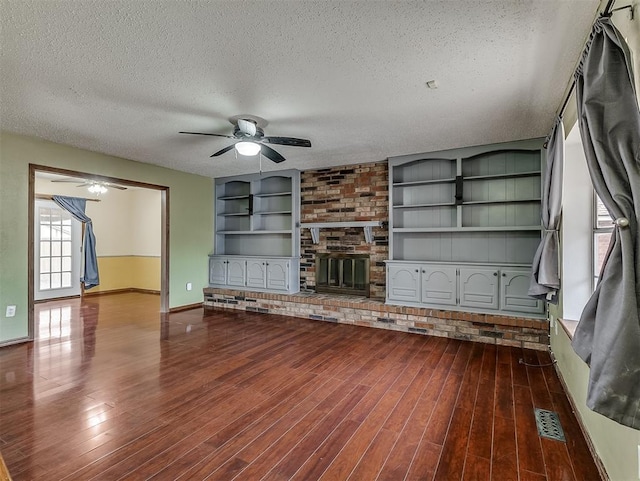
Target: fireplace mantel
314, 228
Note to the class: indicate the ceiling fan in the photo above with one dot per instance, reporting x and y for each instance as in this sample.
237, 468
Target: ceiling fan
251, 140
94, 186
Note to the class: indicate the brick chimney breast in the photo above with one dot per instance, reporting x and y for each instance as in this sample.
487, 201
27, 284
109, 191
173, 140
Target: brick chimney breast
358, 192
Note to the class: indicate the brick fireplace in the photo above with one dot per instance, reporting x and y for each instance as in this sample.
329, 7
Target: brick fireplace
340, 194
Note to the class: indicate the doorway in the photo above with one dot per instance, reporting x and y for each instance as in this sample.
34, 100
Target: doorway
36, 291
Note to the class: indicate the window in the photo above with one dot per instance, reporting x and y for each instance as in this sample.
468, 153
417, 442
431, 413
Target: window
602, 230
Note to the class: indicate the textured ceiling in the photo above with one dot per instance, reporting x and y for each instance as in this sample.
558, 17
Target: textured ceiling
123, 77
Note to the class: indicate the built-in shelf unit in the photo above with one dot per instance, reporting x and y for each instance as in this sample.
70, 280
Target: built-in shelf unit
475, 209
257, 224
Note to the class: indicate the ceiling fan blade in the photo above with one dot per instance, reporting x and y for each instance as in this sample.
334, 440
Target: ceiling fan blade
222, 151
247, 127
291, 141
74, 181
213, 135
119, 187
271, 154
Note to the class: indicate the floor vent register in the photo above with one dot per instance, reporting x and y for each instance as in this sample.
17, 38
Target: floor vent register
549, 425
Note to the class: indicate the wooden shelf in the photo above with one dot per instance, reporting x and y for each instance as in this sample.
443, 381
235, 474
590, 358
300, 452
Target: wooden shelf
233, 197
512, 201
234, 214
274, 212
408, 230
503, 176
424, 182
417, 206
252, 232
273, 194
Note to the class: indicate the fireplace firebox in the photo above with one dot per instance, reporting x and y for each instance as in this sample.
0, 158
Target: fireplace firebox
342, 274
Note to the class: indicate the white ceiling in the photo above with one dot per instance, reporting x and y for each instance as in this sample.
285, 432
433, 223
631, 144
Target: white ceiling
123, 77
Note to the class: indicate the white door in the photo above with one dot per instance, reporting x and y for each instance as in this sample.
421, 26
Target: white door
58, 252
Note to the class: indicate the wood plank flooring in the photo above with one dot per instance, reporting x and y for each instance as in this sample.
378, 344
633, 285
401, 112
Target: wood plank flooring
112, 390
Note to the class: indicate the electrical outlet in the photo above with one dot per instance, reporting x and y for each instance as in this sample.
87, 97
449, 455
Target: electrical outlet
189, 286
11, 311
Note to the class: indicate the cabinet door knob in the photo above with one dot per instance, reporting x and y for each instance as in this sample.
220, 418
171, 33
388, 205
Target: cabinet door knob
423, 271
417, 270
504, 275
495, 273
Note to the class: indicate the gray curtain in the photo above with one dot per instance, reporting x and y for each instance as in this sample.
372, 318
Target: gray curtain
608, 335
545, 276
76, 207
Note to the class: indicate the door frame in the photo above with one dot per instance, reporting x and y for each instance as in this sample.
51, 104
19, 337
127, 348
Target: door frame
164, 224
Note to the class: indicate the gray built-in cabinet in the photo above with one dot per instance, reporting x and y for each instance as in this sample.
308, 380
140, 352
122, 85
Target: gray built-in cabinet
257, 234
464, 226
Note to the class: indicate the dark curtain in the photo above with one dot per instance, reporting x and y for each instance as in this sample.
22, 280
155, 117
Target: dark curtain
608, 335
76, 207
545, 276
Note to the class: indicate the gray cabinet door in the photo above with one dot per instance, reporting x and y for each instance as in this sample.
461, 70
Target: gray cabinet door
514, 284
236, 272
217, 270
439, 285
479, 288
278, 275
403, 282
256, 273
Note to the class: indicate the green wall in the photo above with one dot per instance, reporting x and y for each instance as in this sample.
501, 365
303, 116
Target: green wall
190, 219
616, 445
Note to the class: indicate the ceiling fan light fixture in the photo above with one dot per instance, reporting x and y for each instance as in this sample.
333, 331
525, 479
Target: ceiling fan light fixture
247, 148
97, 189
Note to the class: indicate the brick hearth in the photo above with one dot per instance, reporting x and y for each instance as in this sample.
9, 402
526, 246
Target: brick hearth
486, 328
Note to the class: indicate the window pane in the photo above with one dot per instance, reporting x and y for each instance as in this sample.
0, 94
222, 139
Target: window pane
66, 279
66, 232
45, 265
56, 282
55, 217
66, 264
45, 232
600, 246
55, 232
45, 249
603, 219
66, 248
55, 249
45, 282
56, 264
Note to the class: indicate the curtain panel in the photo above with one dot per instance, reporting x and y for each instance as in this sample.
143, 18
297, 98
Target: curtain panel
607, 337
76, 207
545, 274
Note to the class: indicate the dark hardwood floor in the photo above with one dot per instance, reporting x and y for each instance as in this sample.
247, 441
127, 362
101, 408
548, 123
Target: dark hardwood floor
112, 390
